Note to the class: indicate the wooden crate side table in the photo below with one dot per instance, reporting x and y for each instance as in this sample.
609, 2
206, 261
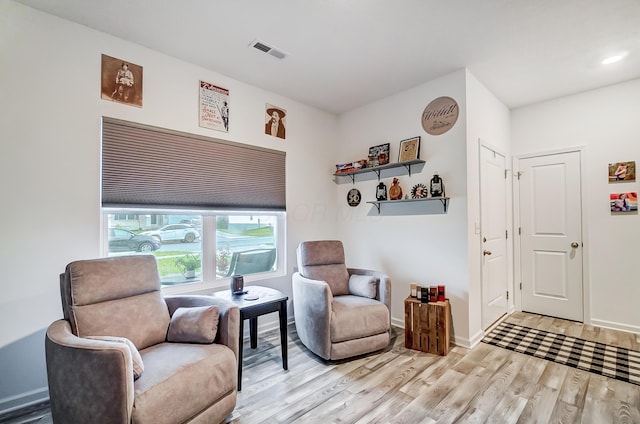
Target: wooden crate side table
426, 326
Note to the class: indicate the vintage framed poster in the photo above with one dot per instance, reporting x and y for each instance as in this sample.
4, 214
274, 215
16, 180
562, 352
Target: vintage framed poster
409, 149
275, 124
121, 81
214, 107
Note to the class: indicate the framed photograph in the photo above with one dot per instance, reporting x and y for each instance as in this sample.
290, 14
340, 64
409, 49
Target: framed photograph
379, 155
213, 107
622, 171
121, 81
623, 203
409, 149
275, 121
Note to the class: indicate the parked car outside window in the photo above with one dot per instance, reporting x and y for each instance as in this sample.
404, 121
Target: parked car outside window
174, 232
121, 240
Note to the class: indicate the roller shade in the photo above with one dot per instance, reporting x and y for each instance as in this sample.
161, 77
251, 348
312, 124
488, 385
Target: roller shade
145, 166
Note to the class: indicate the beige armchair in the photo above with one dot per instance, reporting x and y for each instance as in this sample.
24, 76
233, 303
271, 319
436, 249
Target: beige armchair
339, 312
117, 324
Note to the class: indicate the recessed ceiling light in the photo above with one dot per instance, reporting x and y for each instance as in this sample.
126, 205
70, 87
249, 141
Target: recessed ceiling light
613, 59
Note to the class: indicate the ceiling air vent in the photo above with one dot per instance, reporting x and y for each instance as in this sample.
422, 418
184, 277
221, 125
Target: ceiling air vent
268, 49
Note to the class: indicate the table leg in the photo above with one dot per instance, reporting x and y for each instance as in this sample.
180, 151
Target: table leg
253, 332
283, 333
240, 343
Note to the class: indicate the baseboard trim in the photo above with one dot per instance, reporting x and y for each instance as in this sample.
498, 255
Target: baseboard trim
615, 326
471, 342
9, 405
397, 322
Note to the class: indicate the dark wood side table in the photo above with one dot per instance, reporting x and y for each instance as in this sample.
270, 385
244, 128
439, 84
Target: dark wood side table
269, 300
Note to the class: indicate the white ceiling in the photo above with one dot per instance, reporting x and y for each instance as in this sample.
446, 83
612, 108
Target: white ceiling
346, 53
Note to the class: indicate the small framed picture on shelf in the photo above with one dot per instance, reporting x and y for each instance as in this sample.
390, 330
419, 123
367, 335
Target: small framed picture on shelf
379, 154
409, 149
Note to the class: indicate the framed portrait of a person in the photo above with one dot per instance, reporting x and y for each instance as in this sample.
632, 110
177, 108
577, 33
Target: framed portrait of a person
275, 124
121, 81
409, 149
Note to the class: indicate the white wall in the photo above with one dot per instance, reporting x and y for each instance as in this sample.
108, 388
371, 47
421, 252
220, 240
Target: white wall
429, 248
487, 123
605, 122
50, 116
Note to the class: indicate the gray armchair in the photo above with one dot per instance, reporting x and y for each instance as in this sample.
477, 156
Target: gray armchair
91, 372
339, 312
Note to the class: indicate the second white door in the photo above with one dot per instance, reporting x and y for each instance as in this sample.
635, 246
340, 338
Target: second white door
551, 235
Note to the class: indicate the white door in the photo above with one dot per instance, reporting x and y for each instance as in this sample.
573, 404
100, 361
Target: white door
493, 215
551, 235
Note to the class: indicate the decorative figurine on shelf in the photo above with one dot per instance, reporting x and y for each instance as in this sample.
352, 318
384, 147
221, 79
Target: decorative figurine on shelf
419, 191
381, 192
395, 191
437, 186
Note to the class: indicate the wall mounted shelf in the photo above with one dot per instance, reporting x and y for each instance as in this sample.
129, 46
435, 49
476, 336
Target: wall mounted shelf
378, 169
443, 200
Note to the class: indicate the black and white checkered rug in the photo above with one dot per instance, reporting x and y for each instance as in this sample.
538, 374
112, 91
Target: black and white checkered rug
610, 361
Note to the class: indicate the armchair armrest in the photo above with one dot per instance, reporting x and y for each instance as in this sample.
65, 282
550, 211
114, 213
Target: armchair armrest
229, 316
312, 312
88, 378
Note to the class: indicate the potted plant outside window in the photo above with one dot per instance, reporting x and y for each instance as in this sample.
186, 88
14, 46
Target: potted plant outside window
188, 265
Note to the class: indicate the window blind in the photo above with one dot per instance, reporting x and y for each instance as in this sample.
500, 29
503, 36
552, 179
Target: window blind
145, 166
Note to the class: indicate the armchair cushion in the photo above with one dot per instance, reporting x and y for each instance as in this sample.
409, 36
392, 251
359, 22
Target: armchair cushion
194, 325
324, 261
355, 317
363, 285
181, 380
138, 365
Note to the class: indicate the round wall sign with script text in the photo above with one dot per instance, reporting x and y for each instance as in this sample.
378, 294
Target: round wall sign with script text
440, 115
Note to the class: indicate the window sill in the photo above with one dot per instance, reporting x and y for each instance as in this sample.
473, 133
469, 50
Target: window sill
205, 287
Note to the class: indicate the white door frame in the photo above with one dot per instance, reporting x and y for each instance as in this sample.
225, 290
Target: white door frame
517, 268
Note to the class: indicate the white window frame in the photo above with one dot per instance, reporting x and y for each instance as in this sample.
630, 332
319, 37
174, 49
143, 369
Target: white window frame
208, 279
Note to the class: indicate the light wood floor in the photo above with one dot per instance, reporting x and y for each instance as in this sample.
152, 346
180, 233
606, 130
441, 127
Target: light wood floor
486, 384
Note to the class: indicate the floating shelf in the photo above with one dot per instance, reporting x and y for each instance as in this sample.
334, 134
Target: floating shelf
443, 200
377, 169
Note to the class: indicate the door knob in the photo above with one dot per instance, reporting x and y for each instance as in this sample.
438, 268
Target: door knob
486, 252
575, 245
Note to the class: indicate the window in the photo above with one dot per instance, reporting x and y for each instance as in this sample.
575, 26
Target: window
200, 247
205, 208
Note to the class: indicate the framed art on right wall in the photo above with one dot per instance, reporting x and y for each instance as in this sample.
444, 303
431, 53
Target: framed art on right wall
622, 171
623, 203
